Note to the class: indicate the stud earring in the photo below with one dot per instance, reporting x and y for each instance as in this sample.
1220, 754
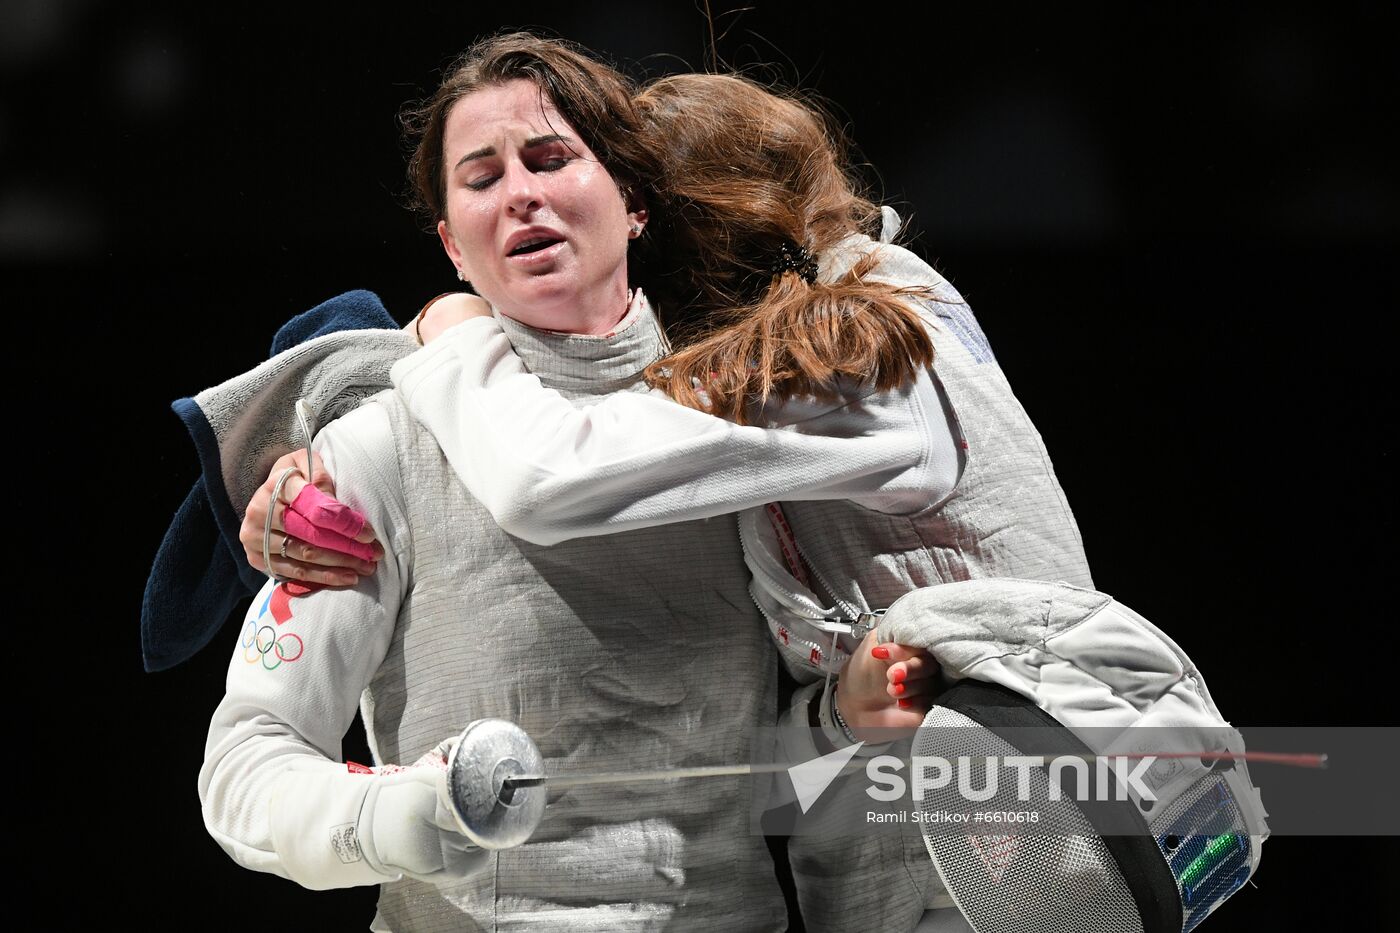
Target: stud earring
636, 229
461, 275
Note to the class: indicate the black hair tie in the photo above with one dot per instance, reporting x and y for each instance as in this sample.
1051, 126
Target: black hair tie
793, 258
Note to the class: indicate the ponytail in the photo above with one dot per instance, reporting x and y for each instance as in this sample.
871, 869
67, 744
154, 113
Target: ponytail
753, 185
799, 340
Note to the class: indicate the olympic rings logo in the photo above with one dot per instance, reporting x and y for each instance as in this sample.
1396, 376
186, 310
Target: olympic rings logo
264, 645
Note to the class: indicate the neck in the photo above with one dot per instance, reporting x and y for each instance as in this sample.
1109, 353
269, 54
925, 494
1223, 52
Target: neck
595, 314
611, 309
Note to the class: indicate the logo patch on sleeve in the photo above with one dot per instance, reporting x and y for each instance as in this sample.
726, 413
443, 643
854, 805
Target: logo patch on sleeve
346, 843
261, 642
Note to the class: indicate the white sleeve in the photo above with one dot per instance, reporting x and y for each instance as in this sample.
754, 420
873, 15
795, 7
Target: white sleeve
549, 471
272, 788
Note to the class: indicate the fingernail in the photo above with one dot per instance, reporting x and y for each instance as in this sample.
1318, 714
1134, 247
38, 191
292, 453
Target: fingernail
366, 568
898, 675
903, 703
349, 579
881, 652
898, 689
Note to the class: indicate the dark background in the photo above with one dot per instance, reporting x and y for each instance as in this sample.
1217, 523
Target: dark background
1175, 228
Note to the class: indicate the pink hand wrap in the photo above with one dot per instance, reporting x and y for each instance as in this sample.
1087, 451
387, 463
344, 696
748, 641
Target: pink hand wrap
318, 519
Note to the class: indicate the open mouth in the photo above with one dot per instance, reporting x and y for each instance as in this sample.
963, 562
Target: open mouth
534, 245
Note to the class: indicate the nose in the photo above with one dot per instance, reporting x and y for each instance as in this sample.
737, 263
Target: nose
522, 190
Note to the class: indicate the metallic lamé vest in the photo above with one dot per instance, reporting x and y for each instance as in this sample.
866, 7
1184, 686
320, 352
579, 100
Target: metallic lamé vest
639, 650
1007, 517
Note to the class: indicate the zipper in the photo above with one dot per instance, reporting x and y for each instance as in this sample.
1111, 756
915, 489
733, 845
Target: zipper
825, 651
857, 621
803, 609
808, 610
861, 622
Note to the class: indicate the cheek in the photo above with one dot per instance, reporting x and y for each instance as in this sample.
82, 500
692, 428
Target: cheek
473, 214
596, 202
470, 226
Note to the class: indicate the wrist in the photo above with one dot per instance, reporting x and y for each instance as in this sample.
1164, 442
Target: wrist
840, 720
836, 733
422, 313
315, 825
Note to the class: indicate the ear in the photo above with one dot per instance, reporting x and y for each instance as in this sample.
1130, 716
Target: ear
637, 220
454, 252
637, 213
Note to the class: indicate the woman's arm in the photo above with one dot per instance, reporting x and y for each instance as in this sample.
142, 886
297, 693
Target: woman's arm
274, 793
549, 471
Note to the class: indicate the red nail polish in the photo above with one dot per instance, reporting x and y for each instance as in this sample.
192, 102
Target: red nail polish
881, 652
898, 689
904, 704
898, 675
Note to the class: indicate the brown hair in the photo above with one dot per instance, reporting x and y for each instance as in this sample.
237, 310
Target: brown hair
595, 98
744, 171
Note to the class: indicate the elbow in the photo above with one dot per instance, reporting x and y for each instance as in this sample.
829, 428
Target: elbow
522, 512
220, 822
524, 526
221, 795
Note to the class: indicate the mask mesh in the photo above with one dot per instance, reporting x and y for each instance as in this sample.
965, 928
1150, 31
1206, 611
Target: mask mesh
1007, 878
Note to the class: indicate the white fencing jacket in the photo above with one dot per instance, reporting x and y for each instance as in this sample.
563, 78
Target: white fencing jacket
638, 651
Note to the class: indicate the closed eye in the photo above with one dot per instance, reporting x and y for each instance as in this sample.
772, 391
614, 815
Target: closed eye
551, 164
540, 154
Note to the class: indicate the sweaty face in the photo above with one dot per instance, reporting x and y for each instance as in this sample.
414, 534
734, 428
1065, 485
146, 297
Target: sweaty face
534, 221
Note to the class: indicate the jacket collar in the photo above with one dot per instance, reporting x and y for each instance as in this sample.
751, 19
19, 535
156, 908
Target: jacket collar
586, 363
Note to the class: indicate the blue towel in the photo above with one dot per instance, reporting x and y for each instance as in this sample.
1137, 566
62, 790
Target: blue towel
200, 574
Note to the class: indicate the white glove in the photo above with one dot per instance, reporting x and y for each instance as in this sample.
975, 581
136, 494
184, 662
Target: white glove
334, 828
407, 828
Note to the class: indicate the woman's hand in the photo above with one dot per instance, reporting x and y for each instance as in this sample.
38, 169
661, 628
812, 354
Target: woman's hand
315, 539
885, 686
446, 311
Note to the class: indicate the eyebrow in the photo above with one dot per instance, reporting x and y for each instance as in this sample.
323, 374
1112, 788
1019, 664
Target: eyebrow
530, 143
